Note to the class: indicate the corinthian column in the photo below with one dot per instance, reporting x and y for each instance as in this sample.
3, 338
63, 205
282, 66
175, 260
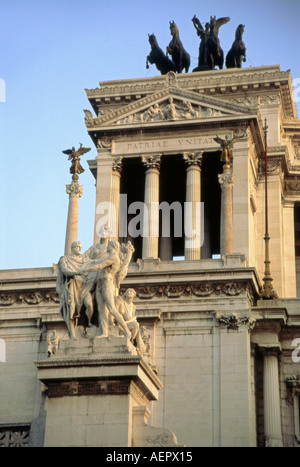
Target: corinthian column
115, 198
272, 418
192, 212
74, 190
151, 201
226, 180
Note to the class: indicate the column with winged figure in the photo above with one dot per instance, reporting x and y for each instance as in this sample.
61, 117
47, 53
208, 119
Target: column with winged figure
74, 190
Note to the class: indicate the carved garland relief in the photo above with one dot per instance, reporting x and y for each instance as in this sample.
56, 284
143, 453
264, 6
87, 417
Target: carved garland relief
199, 289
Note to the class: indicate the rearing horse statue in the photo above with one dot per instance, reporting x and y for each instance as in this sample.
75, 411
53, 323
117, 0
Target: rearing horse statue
180, 56
237, 53
215, 55
158, 58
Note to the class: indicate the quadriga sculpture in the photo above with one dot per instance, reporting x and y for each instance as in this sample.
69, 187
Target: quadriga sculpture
215, 54
180, 56
158, 57
237, 53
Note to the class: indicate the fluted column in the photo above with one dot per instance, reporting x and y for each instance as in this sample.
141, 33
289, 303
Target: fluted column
151, 201
74, 190
272, 417
115, 198
192, 211
226, 180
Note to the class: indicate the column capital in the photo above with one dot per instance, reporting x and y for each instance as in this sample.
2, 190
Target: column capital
117, 165
74, 189
152, 161
193, 158
270, 350
226, 178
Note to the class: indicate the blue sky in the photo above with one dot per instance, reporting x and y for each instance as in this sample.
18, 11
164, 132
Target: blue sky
51, 50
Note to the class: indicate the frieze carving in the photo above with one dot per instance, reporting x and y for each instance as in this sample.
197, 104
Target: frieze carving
200, 289
171, 111
144, 292
104, 143
273, 168
87, 388
29, 298
271, 99
250, 101
161, 106
163, 440
203, 290
171, 79
292, 185
297, 151
293, 168
234, 320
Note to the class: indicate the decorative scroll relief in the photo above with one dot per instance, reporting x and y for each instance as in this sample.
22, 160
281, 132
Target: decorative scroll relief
292, 185
199, 289
293, 388
274, 166
297, 151
234, 320
28, 298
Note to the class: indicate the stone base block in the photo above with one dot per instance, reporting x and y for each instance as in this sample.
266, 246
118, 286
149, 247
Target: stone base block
92, 388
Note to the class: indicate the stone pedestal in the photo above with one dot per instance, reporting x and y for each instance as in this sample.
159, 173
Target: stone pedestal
93, 388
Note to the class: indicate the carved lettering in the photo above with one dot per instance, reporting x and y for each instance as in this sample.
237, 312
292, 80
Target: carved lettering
170, 144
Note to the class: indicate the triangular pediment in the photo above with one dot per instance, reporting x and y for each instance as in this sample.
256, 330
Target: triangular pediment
168, 105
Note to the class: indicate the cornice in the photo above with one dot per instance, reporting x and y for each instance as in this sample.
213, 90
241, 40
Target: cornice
227, 81
170, 284
195, 80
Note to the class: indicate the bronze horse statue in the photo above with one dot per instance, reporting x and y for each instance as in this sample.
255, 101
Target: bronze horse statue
237, 53
215, 55
158, 58
179, 55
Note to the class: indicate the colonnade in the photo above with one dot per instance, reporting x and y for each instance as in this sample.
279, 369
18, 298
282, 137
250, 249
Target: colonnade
193, 210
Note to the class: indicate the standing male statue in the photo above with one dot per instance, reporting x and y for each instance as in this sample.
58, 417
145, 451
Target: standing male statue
72, 289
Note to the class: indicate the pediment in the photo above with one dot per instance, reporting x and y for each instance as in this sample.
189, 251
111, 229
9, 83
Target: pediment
169, 105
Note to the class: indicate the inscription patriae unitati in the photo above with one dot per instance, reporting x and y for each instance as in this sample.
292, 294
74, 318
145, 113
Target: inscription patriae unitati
170, 144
